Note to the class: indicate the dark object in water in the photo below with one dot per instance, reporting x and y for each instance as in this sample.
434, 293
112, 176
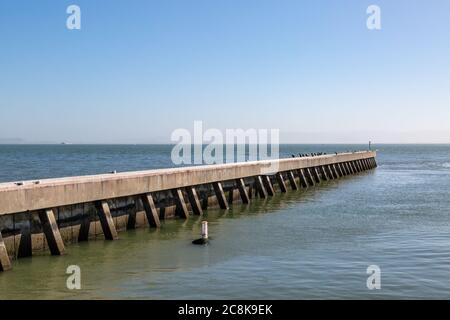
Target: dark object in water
200, 241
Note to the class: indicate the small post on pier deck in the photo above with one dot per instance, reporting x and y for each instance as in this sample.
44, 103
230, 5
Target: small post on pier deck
181, 208
220, 195
106, 220
194, 201
292, 181
51, 231
5, 263
243, 191
281, 183
150, 210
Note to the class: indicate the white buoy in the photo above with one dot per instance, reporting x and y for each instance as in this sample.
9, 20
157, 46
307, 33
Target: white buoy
205, 230
204, 238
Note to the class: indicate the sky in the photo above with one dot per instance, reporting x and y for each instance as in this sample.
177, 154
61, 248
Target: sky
138, 70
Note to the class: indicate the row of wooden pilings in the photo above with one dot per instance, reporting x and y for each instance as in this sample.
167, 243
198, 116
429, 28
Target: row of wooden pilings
263, 186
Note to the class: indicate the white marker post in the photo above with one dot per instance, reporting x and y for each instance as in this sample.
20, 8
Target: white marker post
204, 238
205, 230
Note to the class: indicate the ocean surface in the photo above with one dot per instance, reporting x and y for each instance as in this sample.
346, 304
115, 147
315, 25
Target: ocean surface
315, 243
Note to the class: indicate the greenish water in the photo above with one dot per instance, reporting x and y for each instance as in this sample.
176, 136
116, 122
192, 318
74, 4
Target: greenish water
304, 244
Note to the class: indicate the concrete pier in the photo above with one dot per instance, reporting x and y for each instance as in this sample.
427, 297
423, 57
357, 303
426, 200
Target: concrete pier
45, 217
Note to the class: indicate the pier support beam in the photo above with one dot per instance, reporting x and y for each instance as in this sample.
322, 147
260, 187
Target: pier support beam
150, 210
330, 173
303, 182
349, 168
292, 181
106, 220
194, 201
309, 177
281, 182
181, 209
324, 173
335, 170
364, 164
316, 174
341, 172
259, 186
25, 244
51, 231
344, 167
242, 191
218, 189
5, 263
268, 185
358, 163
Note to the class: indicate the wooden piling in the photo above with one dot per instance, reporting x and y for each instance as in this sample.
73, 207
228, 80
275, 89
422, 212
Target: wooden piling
194, 201
367, 164
292, 181
330, 173
106, 220
281, 183
324, 173
5, 262
51, 232
303, 182
336, 172
351, 168
358, 163
150, 210
218, 189
356, 167
268, 185
181, 208
309, 177
259, 186
316, 174
242, 191
25, 244
341, 170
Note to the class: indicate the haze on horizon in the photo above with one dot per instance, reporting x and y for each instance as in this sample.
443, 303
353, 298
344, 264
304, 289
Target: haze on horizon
138, 70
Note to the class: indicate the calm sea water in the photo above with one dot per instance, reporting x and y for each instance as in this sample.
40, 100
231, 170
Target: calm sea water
305, 244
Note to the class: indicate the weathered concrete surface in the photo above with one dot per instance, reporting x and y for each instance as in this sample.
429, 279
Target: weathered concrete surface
50, 193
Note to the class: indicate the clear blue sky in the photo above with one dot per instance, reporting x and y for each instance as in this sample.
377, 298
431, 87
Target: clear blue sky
137, 70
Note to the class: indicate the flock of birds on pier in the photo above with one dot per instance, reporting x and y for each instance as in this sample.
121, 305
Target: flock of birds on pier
312, 154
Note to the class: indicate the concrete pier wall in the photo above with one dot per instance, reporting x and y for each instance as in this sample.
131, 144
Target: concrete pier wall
75, 201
